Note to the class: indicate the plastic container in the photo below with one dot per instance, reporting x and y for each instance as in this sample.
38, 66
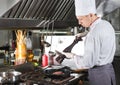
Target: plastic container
44, 60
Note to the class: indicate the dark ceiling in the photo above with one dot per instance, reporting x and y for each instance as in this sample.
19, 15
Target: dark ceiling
36, 14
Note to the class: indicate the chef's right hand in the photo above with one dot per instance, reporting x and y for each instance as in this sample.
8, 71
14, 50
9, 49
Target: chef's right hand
83, 34
68, 55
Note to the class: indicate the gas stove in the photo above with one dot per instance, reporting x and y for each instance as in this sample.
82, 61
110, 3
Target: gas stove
39, 77
47, 81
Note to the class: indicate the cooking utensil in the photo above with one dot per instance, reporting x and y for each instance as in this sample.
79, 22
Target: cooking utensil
3, 77
3, 74
61, 56
14, 76
56, 72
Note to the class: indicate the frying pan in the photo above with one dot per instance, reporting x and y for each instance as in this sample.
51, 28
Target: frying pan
64, 72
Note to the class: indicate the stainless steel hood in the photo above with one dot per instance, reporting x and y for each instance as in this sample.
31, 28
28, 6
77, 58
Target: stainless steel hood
61, 12
37, 14
5, 5
105, 7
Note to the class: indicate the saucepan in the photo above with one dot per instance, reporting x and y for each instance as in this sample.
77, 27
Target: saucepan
14, 76
3, 77
10, 76
3, 74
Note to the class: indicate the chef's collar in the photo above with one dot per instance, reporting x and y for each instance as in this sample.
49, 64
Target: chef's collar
94, 23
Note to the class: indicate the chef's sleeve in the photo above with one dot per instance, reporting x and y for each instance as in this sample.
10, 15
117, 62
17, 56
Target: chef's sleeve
91, 53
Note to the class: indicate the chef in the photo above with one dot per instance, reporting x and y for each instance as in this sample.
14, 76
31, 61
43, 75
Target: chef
99, 47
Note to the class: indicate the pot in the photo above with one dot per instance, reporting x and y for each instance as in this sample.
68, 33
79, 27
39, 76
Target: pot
3, 74
14, 76
3, 80
3, 77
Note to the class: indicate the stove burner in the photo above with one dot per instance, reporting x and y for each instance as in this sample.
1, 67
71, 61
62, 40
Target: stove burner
39, 78
32, 76
57, 81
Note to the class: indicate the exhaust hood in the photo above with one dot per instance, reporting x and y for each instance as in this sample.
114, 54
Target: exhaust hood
5, 5
36, 14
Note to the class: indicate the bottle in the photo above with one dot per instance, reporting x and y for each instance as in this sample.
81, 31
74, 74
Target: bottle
51, 59
2, 57
30, 56
6, 58
44, 60
12, 59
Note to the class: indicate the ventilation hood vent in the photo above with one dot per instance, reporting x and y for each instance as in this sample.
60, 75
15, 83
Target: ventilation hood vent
6, 5
46, 12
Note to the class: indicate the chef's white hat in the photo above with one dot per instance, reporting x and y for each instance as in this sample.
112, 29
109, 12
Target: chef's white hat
84, 7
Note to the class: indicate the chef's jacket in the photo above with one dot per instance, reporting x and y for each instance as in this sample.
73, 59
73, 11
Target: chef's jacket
99, 46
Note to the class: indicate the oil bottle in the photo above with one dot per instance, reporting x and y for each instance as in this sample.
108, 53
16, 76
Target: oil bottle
30, 55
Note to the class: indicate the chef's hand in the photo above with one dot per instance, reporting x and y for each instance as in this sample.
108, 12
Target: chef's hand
68, 55
83, 34
78, 35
